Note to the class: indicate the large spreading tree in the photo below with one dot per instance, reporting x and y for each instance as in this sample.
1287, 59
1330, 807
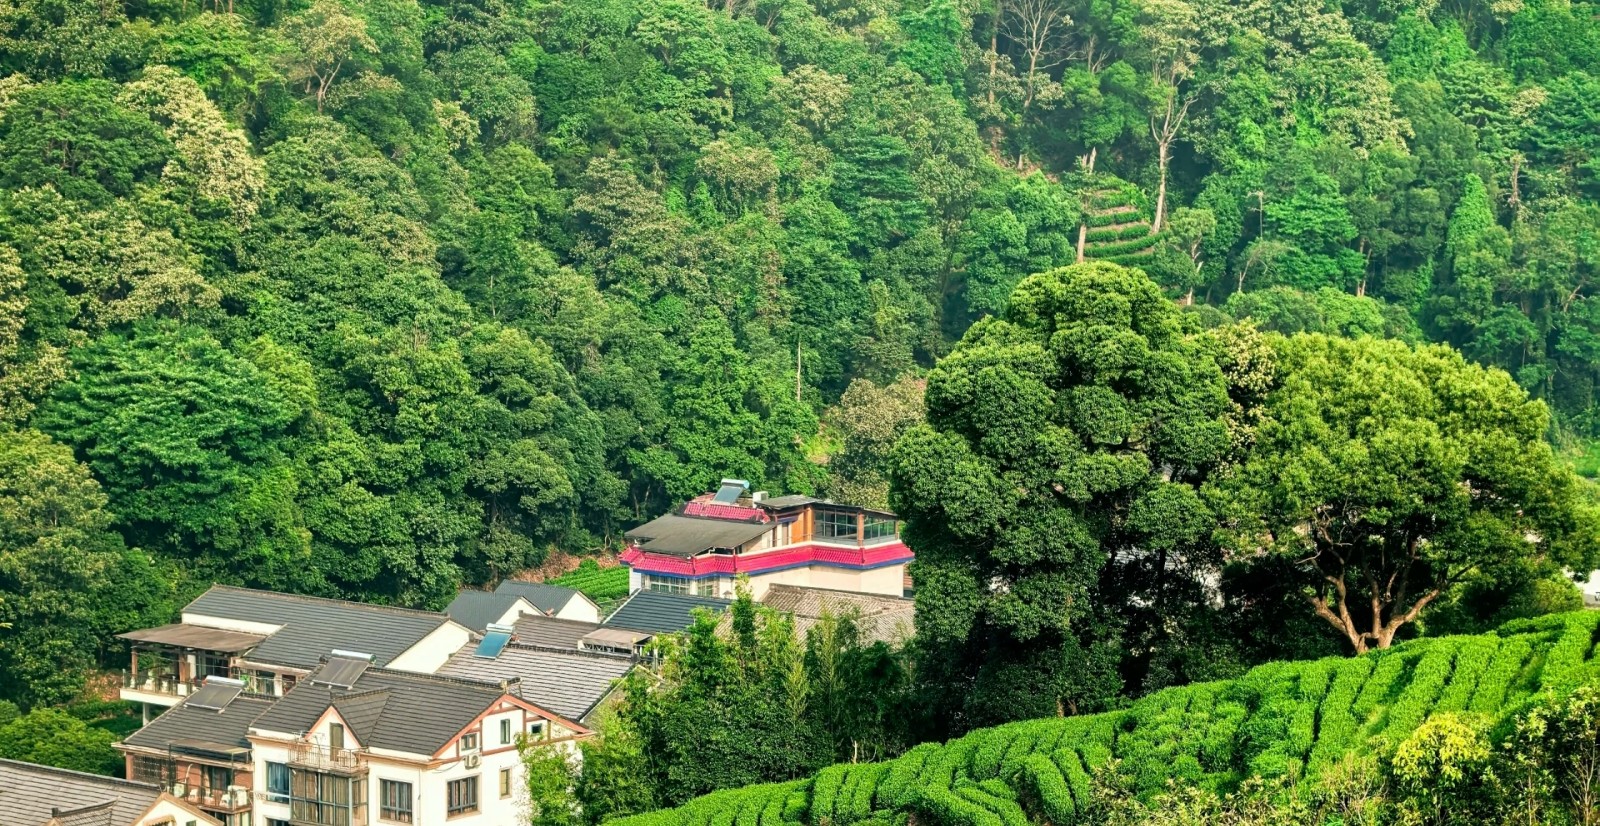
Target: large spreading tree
1386, 473
1070, 431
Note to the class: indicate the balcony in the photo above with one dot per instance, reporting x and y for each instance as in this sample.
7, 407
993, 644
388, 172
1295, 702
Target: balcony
156, 686
229, 800
319, 758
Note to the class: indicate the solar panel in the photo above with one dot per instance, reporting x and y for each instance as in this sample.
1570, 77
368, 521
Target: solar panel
343, 669
495, 639
216, 693
730, 491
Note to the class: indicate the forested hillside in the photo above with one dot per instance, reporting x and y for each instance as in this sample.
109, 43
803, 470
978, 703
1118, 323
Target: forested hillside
373, 298
1494, 728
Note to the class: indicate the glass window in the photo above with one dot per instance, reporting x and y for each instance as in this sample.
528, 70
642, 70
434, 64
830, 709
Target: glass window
218, 779
877, 527
278, 782
505, 732
536, 730
151, 770
271, 822
336, 735
394, 801
505, 783
836, 525
469, 741
319, 799
669, 584
462, 796
706, 587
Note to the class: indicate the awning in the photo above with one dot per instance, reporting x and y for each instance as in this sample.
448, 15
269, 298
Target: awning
179, 635
615, 636
232, 752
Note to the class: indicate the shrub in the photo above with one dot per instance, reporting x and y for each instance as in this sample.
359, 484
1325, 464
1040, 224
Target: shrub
1442, 772
823, 794
1495, 684
1427, 681
898, 787
1338, 727
1472, 660
942, 806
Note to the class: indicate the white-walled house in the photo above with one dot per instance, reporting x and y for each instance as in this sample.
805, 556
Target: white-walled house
354, 744
270, 640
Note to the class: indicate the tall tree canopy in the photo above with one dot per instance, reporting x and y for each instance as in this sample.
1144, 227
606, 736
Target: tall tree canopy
1389, 472
1062, 436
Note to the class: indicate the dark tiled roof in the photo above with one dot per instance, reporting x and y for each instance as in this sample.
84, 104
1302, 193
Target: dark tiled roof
568, 683
476, 609
688, 535
363, 711
547, 598
551, 632
29, 793
419, 713
186, 723
661, 613
312, 626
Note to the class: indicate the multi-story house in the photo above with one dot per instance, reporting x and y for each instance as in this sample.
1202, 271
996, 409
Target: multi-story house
354, 744
270, 640
198, 751
35, 795
701, 547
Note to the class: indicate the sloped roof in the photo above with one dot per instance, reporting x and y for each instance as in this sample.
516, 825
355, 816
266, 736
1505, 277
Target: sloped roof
476, 609
689, 535
793, 500
547, 598
313, 626
550, 632
659, 612
31, 794
195, 728
419, 713
568, 683
880, 618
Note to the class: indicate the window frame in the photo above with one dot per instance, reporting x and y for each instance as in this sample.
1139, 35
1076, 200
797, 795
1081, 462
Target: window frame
505, 731
457, 793
401, 792
276, 795
470, 743
505, 783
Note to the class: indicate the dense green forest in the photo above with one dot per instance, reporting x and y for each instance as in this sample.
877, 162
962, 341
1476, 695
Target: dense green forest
1497, 728
374, 298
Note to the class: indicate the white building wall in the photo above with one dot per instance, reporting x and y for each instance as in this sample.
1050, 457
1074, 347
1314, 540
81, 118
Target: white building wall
226, 624
583, 609
170, 810
431, 652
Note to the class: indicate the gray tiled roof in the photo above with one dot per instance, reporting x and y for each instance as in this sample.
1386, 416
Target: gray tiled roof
551, 632
313, 626
879, 618
186, 723
476, 609
29, 793
688, 535
568, 683
419, 713
547, 598
661, 613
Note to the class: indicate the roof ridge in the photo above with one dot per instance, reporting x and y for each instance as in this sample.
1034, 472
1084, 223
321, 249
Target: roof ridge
551, 649
119, 781
398, 609
466, 682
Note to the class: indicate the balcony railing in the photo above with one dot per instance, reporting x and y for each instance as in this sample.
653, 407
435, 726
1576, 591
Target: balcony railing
156, 682
317, 757
230, 799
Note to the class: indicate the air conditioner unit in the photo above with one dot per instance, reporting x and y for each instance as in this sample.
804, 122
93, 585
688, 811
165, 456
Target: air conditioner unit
180, 789
236, 797
471, 761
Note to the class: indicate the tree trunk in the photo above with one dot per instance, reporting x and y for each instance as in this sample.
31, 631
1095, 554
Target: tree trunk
1083, 237
1163, 157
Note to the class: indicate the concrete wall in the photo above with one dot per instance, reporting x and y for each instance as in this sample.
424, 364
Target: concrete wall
431, 652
